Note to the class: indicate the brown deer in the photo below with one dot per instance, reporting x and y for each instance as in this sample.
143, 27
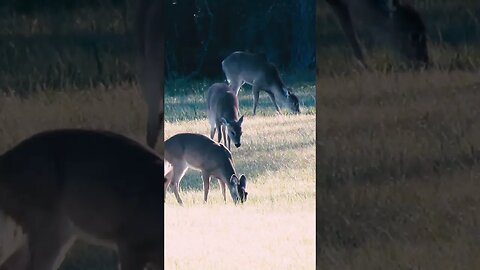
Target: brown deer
222, 110
198, 152
254, 69
396, 21
150, 33
100, 186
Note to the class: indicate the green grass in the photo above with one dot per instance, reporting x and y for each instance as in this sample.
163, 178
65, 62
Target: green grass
185, 106
277, 156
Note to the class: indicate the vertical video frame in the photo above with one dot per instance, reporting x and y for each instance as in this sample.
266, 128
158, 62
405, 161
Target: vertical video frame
240, 135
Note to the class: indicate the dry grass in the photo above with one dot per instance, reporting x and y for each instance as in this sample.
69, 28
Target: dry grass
121, 110
275, 228
398, 171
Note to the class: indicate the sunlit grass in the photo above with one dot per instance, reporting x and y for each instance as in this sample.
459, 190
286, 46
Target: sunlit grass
275, 228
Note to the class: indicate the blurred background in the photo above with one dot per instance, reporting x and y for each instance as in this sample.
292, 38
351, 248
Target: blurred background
54, 44
453, 36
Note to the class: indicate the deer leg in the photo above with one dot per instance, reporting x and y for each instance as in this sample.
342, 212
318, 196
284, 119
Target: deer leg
212, 131
154, 124
178, 173
272, 97
225, 135
152, 88
222, 186
219, 127
167, 180
49, 241
206, 185
235, 85
343, 15
256, 94
228, 142
13, 246
18, 260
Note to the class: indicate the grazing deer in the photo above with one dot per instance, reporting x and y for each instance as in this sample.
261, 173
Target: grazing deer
395, 20
222, 107
151, 44
254, 69
65, 184
198, 152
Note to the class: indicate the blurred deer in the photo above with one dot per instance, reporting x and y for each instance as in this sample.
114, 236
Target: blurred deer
150, 33
396, 21
69, 184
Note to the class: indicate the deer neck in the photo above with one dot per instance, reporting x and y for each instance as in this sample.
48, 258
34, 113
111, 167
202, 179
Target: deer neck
231, 115
280, 92
226, 172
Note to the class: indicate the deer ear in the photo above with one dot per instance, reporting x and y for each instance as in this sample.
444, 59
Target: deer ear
234, 179
240, 121
243, 181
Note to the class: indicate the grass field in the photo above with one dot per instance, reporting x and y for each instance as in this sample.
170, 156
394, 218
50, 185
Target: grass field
275, 228
398, 171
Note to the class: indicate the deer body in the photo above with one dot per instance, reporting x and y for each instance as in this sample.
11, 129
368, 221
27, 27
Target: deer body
151, 44
99, 186
395, 21
198, 152
254, 69
222, 110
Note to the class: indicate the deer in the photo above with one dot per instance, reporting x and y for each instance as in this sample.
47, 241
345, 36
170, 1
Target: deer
167, 175
150, 36
198, 152
397, 21
67, 184
222, 111
254, 69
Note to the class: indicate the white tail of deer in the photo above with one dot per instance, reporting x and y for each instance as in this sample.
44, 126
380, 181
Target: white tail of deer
395, 20
151, 44
223, 116
198, 152
255, 70
66, 184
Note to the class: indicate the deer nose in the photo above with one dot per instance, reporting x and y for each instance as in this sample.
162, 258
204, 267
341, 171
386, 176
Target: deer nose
238, 144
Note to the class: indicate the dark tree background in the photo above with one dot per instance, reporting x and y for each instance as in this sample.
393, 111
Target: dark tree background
201, 33
69, 44
50, 44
